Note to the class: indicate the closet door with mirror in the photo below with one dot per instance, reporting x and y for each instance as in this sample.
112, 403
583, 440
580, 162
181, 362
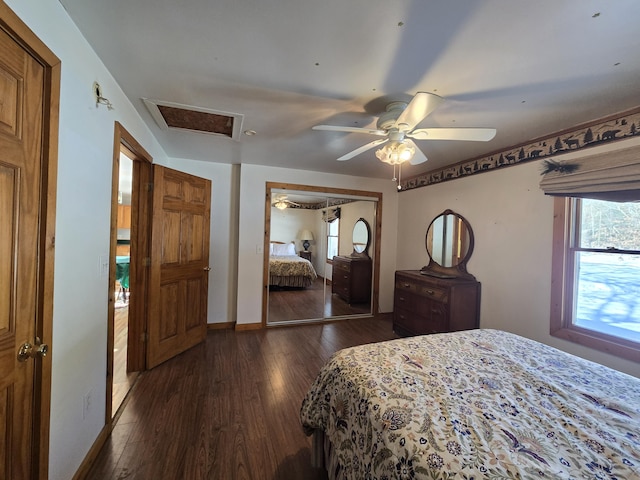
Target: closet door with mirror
306, 227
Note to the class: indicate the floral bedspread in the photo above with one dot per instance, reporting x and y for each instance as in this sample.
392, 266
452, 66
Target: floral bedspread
290, 271
473, 405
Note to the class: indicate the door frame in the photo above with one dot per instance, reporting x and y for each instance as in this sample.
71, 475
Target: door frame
140, 250
20, 32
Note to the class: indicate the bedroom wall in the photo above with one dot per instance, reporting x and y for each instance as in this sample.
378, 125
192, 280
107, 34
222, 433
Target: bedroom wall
512, 223
251, 230
350, 214
286, 225
78, 347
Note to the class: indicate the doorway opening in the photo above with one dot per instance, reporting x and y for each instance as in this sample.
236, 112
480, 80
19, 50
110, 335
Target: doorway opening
123, 380
128, 274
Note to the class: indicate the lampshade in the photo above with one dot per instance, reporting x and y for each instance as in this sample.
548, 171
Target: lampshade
395, 153
305, 235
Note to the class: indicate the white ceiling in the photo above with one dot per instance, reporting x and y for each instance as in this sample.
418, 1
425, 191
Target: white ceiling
526, 68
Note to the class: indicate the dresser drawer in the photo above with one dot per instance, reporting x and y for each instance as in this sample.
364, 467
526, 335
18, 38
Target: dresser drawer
408, 321
435, 326
406, 286
403, 299
340, 278
344, 291
433, 293
341, 266
430, 309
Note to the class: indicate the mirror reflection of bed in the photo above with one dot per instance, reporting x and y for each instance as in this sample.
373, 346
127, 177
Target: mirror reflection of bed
292, 296
296, 292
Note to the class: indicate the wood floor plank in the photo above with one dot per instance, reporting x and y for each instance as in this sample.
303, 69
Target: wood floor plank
229, 407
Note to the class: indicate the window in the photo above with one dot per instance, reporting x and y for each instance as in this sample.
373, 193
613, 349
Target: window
333, 232
595, 293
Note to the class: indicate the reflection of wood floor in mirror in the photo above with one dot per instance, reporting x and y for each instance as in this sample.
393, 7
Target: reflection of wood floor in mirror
294, 304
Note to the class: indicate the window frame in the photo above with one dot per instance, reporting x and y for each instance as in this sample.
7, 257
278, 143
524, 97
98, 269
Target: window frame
562, 288
330, 260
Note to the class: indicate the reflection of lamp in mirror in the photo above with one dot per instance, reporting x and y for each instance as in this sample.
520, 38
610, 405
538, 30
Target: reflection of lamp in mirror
306, 236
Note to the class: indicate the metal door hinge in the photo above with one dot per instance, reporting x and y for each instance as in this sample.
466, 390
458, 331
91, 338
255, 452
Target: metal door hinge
144, 337
146, 262
148, 187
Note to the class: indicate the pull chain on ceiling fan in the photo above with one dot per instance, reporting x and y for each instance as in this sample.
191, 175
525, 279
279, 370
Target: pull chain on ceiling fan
397, 124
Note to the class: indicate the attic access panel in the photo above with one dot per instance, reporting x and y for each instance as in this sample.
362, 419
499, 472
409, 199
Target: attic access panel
170, 116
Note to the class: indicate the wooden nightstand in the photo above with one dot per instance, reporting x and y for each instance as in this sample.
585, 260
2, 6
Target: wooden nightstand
305, 255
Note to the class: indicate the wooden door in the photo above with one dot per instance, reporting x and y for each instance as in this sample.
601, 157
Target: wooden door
21, 183
179, 273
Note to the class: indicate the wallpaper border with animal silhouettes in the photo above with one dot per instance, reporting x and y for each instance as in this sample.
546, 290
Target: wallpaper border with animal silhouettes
610, 129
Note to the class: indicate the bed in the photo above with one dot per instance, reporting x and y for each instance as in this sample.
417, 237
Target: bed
472, 404
286, 269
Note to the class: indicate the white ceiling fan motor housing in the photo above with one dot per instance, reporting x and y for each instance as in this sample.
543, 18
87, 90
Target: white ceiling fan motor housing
388, 119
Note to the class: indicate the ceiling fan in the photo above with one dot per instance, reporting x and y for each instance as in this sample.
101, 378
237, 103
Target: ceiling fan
281, 202
397, 126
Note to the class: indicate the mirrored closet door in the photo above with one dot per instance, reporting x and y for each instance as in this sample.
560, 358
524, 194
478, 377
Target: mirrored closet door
321, 253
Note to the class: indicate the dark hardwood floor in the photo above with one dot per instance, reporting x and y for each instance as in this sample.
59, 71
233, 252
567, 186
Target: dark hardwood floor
228, 408
122, 381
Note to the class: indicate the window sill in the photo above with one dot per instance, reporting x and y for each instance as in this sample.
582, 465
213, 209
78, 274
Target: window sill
618, 347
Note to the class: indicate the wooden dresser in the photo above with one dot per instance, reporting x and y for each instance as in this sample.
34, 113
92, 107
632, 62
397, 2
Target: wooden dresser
351, 279
425, 304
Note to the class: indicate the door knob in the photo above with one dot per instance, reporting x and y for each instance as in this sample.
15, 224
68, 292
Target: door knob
207, 269
27, 350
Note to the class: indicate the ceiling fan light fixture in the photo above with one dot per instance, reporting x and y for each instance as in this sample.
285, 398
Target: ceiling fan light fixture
395, 153
280, 204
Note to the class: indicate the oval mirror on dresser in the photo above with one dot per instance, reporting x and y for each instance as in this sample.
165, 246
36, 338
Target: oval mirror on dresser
449, 243
361, 238
442, 296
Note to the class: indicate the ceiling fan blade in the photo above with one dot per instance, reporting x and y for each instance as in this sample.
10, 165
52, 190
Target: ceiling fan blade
422, 104
362, 149
418, 157
469, 134
337, 128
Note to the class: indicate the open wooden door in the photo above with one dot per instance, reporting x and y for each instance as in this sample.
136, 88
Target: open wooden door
178, 280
